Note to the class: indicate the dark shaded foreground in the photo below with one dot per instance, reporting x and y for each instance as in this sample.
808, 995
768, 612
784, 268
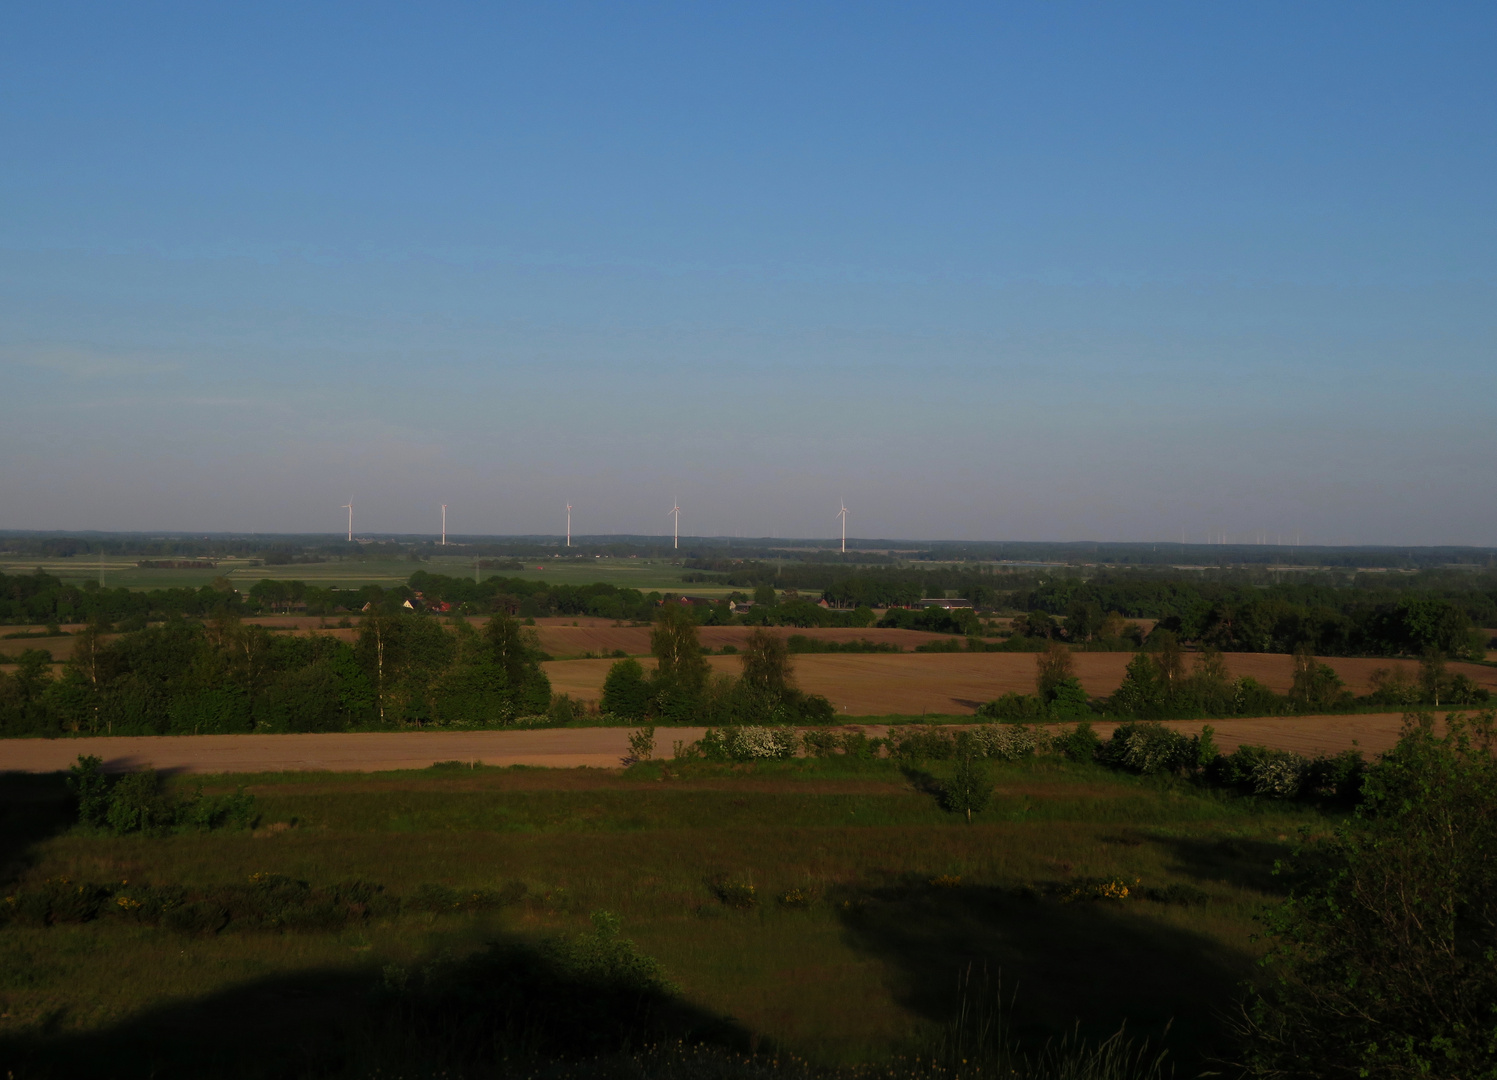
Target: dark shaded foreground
33, 808
508, 1007
1052, 970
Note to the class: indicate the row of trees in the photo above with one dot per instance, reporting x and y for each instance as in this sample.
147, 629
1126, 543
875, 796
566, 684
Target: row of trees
684, 689
1160, 684
1279, 618
402, 670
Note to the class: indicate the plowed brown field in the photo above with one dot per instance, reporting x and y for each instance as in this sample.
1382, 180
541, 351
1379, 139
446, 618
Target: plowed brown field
874, 684
600, 748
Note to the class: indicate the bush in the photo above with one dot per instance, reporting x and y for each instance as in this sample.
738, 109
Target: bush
1014, 708
642, 743
138, 804
1078, 744
90, 788
1382, 962
748, 743
1147, 748
1006, 742
920, 744
821, 744
562, 711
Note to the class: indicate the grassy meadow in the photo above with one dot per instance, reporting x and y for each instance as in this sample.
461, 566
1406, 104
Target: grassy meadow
828, 909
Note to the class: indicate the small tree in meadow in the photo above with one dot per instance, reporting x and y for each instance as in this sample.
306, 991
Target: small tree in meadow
970, 788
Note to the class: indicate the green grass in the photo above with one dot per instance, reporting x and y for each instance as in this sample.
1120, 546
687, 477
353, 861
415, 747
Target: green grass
865, 969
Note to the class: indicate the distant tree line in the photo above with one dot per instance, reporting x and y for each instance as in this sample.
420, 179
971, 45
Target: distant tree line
1331, 621
221, 677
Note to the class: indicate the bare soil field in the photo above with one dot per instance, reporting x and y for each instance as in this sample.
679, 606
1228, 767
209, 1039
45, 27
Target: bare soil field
875, 684
598, 748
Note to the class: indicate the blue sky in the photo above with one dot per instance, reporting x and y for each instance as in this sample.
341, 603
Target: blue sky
1003, 271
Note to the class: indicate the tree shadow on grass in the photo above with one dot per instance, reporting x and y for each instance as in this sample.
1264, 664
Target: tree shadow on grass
1099, 964
1247, 864
33, 807
506, 1007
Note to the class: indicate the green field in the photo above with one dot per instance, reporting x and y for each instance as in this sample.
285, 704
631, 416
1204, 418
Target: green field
826, 909
643, 574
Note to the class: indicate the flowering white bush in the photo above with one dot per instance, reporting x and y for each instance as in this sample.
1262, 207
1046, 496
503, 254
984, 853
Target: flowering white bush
1280, 776
748, 742
761, 742
1006, 742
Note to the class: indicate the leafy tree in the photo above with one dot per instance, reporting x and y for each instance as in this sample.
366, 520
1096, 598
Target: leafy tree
625, 692
1143, 693
767, 669
1316, 685
1083, 620
1051, 668
1384, 962
680, 671
970, 788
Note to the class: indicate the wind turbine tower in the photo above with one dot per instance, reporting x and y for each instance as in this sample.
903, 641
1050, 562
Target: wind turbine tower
676, 512
349, 507
569, 524
444, 524
843, 515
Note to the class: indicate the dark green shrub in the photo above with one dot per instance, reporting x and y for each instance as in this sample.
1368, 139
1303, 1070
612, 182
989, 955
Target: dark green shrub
625, 692
1014, 707
1068, 701
642, 743
1079, 744
920, 744
1382, 962
1337, 778
1147, 748
90, 787
821, 744
237, 811
137, 803
562, 710
858, 746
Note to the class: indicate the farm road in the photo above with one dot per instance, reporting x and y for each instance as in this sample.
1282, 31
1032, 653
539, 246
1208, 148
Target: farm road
601, 748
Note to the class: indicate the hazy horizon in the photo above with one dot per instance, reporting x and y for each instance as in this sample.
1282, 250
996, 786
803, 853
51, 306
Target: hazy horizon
1062, 270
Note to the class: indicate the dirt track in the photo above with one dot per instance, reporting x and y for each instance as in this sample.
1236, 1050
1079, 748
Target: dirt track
601, 748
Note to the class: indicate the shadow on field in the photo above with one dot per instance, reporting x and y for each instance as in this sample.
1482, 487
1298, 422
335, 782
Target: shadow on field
32, 808
1246, 864
507, 1006
1053, 964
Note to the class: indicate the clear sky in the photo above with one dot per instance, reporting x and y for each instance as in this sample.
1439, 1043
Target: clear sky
998, 270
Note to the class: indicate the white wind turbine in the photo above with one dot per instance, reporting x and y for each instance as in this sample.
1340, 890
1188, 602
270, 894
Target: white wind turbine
843, 515
676, 512
444, 524
349, 507
569, 524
